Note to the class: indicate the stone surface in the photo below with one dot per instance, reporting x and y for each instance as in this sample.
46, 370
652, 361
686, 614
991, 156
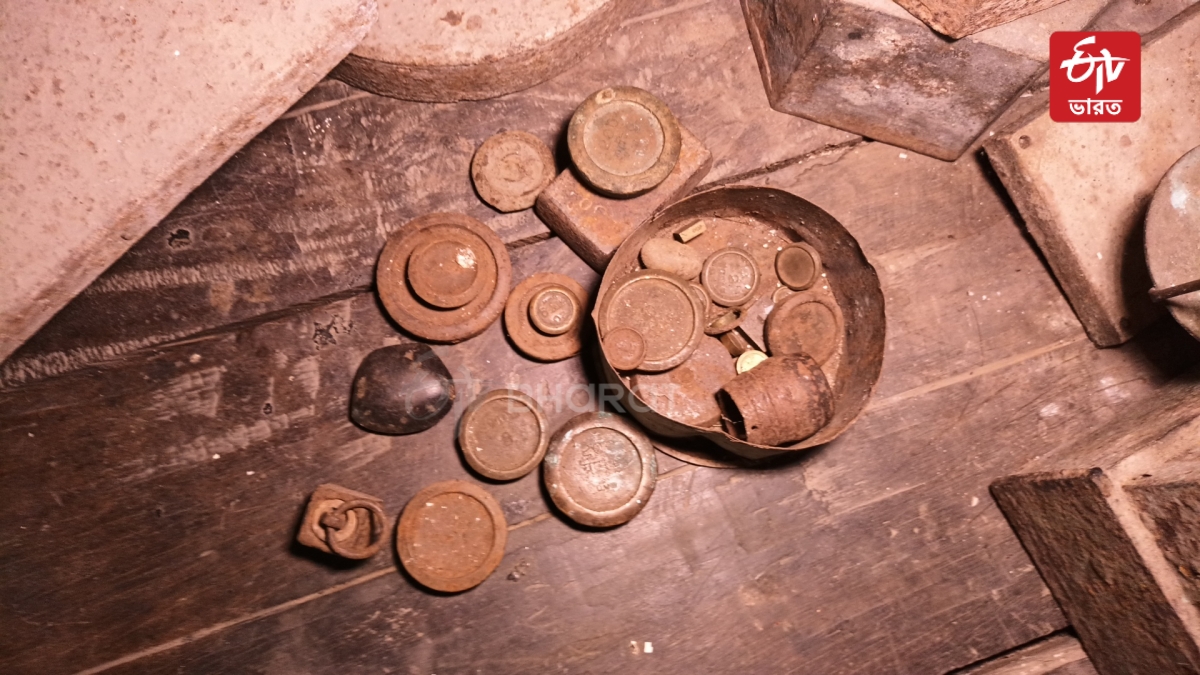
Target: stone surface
1083, 189
453, 50
594, 226
112, 115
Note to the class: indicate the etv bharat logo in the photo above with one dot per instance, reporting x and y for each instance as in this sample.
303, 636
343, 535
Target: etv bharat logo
1095, 77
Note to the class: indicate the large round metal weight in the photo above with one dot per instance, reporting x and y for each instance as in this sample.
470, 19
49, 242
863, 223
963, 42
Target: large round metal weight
427, 286
451, 536
623, 141
510, 169
805, 323
401, 389
503, 434
544, 316
600, 470
663, 308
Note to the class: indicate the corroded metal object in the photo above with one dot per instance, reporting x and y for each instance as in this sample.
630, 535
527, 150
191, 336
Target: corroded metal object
600, 470
544, 316
748, 360
805, 323
691, 232
401, 389
623, 141
798, 266
671, 256
662, 308
503, 434
1172, 239
761, 221
343, 522
451, 536
625, 348
783, 400
687, 393
510, 169
444, 277
730, 276
724, 321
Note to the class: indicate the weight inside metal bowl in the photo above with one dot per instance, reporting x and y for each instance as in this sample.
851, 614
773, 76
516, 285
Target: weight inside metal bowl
852, 281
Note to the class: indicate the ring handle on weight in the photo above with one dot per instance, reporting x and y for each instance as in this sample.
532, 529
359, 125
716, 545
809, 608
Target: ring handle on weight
338, 514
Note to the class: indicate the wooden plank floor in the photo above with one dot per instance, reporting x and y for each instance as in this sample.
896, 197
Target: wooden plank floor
151, 494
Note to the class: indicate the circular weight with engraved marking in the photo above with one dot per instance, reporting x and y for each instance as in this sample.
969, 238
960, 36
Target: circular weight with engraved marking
558, 337
625, 348
730, 276
798, 266
451, 536
424, 273
623, 141
510, 169
805, 324
663, 308
600, 469
503, 434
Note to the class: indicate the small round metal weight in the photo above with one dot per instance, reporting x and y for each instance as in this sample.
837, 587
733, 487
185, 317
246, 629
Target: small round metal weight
798, 266
782, 400
748, 360
805, 324
544, 316
444, 277
660, 306
510, 169
625, 348
451, 536
600, 470
503, 434
401, 389
623, 141
730, 276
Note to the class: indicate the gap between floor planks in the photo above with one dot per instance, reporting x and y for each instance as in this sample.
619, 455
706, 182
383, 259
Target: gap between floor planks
971, 374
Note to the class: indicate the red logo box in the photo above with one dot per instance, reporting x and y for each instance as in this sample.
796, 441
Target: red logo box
1095, 76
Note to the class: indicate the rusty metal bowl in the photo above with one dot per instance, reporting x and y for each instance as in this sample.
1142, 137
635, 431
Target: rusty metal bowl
852, 282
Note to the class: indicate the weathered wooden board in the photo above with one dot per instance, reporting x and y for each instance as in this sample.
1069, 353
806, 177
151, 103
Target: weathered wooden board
113, 114
1083, 188
302, 211
1056, 655
124, 506
958, 19
880, 554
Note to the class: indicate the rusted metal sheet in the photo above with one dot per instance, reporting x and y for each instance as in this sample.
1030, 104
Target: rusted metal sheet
594, 226
870, 68
1083, 188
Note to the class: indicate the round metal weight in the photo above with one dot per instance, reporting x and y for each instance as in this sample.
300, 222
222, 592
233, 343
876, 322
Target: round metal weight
503, 434
625, 348
660, 306
401, 389
687, 393
560, 334
1173, 237
623, 141
798, 266
747, 360
451, 536
730, 276
420, 287
600, 470
805, 324
510, 169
